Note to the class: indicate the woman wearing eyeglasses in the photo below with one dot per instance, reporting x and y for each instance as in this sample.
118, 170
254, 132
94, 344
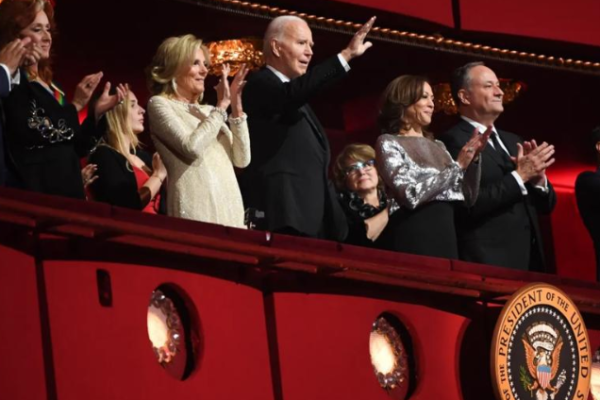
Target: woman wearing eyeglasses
361, 194
421, 175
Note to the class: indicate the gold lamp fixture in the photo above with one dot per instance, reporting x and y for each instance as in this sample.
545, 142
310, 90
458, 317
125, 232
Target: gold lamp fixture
444, 101
235, 52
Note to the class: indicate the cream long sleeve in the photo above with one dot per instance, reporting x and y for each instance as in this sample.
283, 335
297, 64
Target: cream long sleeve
199, 151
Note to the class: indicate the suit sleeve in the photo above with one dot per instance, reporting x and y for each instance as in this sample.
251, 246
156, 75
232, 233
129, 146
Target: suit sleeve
113, 185
4, 82
271, 96
491, 197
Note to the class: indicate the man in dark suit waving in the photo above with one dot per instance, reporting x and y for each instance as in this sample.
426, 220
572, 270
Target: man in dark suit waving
287, 176
502, 227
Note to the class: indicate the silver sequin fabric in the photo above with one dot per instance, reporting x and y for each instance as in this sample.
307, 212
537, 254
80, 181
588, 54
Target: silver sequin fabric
199, 151
418, 170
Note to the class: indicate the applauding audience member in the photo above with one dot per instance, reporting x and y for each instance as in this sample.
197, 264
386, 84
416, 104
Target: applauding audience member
127, 175
422, 176
43, 132
197, 146
502, 227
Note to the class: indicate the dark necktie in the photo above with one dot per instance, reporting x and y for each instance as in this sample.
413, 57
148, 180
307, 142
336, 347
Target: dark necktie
503, 154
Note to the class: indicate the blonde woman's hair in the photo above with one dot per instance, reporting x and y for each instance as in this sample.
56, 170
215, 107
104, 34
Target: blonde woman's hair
171, 57
119, 128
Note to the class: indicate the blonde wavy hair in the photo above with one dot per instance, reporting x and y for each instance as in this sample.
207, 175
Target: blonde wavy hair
171, 57
119, 127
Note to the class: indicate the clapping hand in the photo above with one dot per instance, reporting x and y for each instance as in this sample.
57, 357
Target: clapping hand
13, 54
223, 90
88, 174
473, 147
237, 86
533, 160
107, 102
84, 90
357, 45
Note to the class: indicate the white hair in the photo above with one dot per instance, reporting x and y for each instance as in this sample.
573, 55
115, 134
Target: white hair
275, 31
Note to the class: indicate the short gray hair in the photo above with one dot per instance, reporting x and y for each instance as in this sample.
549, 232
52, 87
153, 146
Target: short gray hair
461, 79
275, 31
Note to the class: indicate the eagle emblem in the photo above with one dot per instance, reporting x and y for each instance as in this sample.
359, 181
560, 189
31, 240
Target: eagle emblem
542, 345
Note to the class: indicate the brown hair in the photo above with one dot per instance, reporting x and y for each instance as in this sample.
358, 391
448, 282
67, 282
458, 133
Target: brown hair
355, 152
399, 95
16, 15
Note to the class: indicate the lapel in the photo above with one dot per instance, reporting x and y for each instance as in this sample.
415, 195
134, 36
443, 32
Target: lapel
489, 152
316, 125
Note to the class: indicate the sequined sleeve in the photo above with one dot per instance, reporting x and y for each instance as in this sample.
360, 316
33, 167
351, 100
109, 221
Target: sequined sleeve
241, 141
412, 184
168, 127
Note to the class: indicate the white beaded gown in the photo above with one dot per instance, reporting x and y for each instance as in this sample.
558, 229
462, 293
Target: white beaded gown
199, 151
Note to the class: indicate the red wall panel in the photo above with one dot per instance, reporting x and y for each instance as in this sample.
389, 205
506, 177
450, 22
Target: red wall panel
324, 347
22, 365
438, 11
573, 21
105, 353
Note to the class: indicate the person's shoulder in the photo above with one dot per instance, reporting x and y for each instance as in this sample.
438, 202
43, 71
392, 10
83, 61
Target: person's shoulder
159, 100
587, 178
102, 152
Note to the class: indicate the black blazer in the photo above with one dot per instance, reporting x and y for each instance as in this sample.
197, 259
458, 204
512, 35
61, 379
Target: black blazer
287, 177
116, 182
502, 227
4, 90
587, 193
46, 161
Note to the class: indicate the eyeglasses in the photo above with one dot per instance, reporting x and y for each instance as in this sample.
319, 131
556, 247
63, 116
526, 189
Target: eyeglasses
356, 167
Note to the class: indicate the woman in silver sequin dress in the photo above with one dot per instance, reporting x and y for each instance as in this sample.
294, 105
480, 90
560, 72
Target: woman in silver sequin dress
420, 174
194, 140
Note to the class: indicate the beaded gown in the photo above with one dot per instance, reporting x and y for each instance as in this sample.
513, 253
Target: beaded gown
199, 151
427, 184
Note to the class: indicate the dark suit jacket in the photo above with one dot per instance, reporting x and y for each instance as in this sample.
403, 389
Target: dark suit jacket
43, 163
287, 177
587, 193
502, 227
4, 90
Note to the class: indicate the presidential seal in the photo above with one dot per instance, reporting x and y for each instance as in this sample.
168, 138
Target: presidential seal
540, 348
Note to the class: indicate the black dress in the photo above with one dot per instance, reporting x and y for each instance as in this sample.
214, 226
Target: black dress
46, 141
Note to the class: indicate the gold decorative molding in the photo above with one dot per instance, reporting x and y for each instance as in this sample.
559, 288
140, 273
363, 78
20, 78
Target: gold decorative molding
235, 52
434, 42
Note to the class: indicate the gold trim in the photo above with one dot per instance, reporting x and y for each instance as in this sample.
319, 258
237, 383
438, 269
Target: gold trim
526, 300
434, 42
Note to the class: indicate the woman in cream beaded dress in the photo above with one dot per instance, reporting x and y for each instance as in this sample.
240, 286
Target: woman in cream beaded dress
197, 146
421, 175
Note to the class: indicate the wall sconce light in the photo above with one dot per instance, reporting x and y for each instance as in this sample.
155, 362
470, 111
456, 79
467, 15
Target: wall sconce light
235, 52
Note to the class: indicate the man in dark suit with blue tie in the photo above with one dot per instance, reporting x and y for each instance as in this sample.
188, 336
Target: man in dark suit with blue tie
287, 176
11, 57
502, 227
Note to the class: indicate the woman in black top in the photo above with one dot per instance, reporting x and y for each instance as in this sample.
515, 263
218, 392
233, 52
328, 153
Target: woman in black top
127, 175
362, 195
